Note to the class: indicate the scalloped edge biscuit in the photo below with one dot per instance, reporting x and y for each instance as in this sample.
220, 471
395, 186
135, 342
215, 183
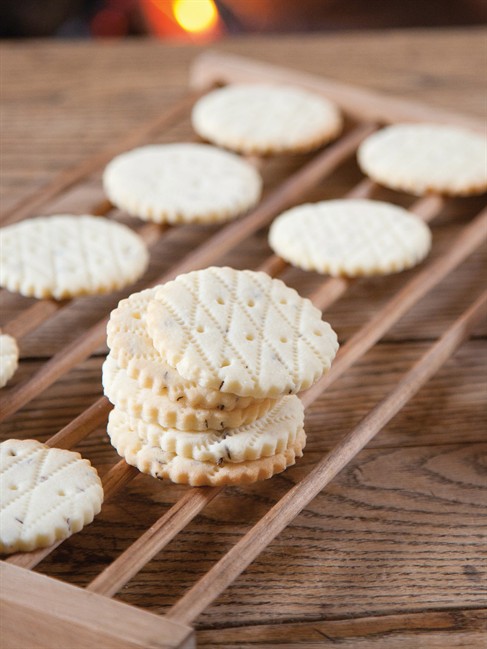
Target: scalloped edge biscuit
182, 183
46, 494
424, 158
66, 256
155, 462
9, 358
266, 119
240, 332
141, 403
351, 238
270, 434
131, 346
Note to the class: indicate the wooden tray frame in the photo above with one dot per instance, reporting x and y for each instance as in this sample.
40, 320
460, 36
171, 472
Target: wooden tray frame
40, 611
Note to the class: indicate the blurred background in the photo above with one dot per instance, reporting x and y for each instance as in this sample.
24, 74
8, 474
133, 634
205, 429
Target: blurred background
208, 20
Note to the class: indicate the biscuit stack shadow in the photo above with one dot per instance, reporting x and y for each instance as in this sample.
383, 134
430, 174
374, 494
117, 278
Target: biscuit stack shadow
203, 372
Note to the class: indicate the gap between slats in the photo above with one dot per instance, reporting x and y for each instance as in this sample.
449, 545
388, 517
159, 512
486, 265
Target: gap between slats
228, 237
468, 241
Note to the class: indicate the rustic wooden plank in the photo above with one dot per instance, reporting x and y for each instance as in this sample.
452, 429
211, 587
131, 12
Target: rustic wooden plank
452, 629
41, 613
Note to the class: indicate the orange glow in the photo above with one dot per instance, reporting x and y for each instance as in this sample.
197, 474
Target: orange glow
185, 20
195, 16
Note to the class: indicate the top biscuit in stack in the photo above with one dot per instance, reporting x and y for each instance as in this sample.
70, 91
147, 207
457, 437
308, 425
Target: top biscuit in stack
202, 366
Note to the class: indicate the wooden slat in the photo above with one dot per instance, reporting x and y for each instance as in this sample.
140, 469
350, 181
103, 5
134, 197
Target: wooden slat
214, 67
289, 192
447, 629
39, 612
234, 562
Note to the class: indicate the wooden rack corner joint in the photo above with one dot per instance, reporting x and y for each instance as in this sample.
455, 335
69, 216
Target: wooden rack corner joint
54, 608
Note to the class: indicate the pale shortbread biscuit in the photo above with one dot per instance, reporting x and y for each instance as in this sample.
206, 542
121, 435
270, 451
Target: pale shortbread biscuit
131, 346
46, 494
270, 434
262, 119
182, 183
160, 464
240, 332
9, 358
64, 256
422, 158
352, 238
157, 408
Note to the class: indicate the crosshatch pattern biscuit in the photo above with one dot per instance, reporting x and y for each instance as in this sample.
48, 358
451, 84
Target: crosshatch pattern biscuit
350, 237
182, 183
64, 256
46, 494
240, 332
271, 434
9, 358
141, 403
159, 464
131, 346
422, 158
264, 119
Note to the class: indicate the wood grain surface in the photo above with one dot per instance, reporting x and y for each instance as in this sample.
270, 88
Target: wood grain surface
393, 552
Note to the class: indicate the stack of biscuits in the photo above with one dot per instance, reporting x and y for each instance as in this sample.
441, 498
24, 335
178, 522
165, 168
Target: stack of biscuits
203, 372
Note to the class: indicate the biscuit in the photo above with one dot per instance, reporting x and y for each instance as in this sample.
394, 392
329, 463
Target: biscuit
272, 433
65, 256
182, 183
240, 332
160, 464
131, 346
263, 119
350, 238
157, 408
423, 158
46, 494
9, 358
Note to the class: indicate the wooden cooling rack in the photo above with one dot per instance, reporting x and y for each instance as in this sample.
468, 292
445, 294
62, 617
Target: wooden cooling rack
38, 606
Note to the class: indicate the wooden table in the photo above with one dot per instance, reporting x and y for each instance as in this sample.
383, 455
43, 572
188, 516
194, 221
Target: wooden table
393, 552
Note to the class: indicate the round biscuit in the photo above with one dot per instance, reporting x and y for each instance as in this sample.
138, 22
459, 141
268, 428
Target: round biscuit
426, 158
9, 358
182, 183
157, 408
240, 332
159, 464
266, 119
46, 494
65, 256
270, 434
131, 346
352, 238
